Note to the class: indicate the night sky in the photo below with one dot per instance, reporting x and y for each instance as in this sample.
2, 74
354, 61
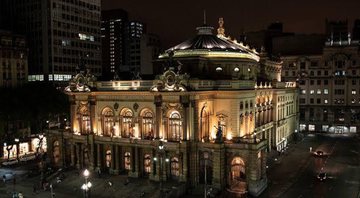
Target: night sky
175, 21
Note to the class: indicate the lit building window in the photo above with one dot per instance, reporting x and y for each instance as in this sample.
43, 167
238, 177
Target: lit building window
325, 127
147, 125
175, 126
326, 91
175, 170
302, 127
127, 161
311, 127
218, 69
108, 122
303, 91
326, 101
353, 92
126, 123
236, 69
353, 101
147, 163
318, 91
312, 91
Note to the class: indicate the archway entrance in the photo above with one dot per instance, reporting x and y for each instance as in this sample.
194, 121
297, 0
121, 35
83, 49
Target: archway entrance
237, 176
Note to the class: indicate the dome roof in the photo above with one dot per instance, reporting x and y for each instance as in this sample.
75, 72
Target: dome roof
205, 43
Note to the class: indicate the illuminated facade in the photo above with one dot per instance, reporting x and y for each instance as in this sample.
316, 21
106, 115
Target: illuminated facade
186, 118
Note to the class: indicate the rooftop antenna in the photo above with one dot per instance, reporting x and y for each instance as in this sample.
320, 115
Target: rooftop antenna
204, 17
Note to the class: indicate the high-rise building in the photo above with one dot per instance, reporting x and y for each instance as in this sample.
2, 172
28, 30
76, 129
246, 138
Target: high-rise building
114, 40
13, 59
60, 34
136, 30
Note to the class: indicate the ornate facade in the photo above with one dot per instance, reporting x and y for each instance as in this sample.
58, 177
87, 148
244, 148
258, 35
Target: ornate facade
184, 124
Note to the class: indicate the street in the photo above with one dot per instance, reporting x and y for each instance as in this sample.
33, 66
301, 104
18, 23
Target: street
295, 174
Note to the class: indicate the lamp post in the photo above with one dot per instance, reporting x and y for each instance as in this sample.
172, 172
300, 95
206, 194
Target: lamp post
87, 185
205, 160
161, 155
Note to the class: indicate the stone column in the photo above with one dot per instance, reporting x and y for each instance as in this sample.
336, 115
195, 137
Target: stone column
112, 165
92, 101
158, 112
98, 156
219, 166
195, 119
185, 102
73, 112
116, 159
77, 148
72, 151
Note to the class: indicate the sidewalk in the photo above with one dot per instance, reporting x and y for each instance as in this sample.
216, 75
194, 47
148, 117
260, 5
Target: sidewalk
121, 186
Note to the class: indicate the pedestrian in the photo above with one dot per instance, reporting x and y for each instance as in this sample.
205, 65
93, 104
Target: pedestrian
34, 189
99, 172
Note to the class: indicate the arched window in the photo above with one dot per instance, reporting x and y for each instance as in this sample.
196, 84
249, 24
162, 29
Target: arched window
108, 122
147, 125
222, 121
205, 122
237, 169
127, 161
108, 158
175, 126
175, 170
147, 163
126, 124
84, 119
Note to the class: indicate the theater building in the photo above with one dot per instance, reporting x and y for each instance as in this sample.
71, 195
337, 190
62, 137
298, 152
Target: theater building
216, 107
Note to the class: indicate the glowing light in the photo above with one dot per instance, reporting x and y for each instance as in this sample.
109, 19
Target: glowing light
229, 136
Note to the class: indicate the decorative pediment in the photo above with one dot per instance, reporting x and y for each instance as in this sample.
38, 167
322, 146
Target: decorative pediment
81, 82
170, 81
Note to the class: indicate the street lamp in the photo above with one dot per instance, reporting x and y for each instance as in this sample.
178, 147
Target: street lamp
161, 155
87, 185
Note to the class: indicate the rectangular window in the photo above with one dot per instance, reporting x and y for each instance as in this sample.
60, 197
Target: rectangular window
318, 91
311, 100
326, 101
303, 91
325, 127
353, 92
318, 100
311, 82
318, 82
312, 91
311, 127
326, 91
302, 101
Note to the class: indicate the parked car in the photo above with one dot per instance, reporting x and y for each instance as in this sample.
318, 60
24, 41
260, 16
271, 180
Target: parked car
8, 176
321, 176
319, 153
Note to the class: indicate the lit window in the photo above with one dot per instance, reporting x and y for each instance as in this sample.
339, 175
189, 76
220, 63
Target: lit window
236, 69
353, 101
311, 127
326, 91
353, 92
218, 69
326, 101
303, 91
312, 91
318, 91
